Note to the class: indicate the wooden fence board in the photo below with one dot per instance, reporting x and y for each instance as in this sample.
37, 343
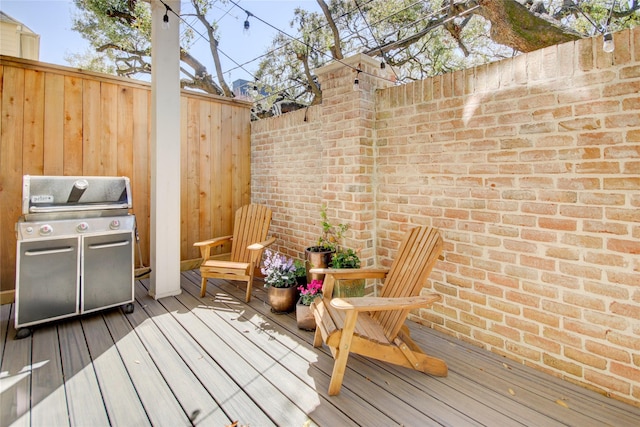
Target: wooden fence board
11, 137
54, 124
91, 120
61, 121
141, 174
204, 179
125, 132
72, 126
33, 155
109, 129
191, 218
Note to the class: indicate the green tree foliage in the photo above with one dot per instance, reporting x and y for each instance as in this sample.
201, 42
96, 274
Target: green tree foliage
416, 38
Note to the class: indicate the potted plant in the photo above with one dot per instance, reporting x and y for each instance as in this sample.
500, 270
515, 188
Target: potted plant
280, 278
319, 255
301, 272
308, 293
344, 288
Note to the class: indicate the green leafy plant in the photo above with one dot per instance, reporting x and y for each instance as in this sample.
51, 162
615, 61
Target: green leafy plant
345, 258
301, 272
331, 237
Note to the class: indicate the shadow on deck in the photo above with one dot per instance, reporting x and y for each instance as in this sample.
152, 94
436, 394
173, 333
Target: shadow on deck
212, 361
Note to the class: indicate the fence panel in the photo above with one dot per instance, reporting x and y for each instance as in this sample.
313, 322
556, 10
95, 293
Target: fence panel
61, 121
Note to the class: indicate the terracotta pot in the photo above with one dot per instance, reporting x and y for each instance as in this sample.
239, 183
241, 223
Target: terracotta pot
304, 317
282, 300
316, 259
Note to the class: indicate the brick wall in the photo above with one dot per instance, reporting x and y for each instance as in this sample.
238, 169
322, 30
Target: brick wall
530, 167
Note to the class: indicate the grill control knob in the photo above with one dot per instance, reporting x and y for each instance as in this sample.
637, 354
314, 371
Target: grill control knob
115, 224
82, 227
46, 230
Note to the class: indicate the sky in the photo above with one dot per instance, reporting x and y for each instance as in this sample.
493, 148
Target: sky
52, 20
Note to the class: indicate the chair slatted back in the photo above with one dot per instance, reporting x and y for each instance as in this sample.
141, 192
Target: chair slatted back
251, 225
411, 267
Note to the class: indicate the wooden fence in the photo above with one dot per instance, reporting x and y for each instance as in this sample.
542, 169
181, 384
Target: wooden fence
61, 121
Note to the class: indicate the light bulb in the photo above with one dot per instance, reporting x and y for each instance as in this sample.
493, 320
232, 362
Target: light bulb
607, 44
247, 24
165, 21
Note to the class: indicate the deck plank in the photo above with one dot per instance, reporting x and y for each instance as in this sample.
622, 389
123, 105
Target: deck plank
270, 399
482, 382
15, 393
187, 360
155, 394
533, 390
192, 395
228, 395
362, 389
120, 397
292, 376
48, 394
5, 315
84, 397
363, 374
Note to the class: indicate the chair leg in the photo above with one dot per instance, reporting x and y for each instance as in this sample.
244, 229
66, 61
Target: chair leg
337, 375
317, 338
203, 287
248, 296
342, 353
250, 282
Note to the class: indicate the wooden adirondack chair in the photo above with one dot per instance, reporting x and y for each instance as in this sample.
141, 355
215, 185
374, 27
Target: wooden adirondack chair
374, 326
248, 241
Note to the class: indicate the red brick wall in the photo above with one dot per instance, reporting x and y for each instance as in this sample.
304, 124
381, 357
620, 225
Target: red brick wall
530, 167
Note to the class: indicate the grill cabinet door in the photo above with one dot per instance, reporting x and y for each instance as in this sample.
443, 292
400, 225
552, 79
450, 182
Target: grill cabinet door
107, 270
46, 280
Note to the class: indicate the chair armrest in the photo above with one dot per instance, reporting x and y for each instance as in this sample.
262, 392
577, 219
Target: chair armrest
261, 245
382, 304
352, 273
205, 246
214, 242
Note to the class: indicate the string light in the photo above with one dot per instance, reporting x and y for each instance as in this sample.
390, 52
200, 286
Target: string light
607, 39
203, 37
382, 64
247, 24
165, 18
607, 44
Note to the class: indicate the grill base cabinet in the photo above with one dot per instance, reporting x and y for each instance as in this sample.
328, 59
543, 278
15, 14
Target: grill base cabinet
75, 248
47, 280
58, 278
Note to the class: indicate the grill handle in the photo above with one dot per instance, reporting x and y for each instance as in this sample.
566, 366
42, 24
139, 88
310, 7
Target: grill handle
49, 251
109, 245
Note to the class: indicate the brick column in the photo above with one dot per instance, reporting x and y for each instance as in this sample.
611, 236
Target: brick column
348, 160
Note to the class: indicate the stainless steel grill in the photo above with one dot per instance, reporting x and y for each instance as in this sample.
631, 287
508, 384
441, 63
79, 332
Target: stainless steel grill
75, 248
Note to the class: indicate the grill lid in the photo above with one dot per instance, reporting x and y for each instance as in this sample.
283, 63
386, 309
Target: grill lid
48, 194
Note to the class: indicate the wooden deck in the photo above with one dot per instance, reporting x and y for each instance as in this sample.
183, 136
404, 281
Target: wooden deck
213, 361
